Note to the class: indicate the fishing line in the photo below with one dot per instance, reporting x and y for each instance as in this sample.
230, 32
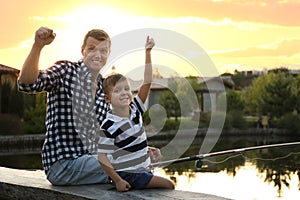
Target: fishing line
222, 161
251, 159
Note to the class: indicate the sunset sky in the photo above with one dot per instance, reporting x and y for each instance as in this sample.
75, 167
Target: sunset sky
236, 34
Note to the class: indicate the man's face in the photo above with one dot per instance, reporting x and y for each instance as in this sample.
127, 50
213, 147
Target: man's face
95, 54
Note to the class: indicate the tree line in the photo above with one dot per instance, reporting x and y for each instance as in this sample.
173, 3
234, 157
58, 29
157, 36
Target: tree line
275, 95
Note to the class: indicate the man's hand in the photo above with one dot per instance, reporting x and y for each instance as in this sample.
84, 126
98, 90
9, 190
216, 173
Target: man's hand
154, 154
123, 186
44, 36
149, 43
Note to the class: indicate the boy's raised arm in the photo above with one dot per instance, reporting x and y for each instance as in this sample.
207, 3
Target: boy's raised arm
145, 87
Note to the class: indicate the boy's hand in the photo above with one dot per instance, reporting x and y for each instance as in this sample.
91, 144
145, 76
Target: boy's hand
123, 186
44, 36
154, 154
149, 43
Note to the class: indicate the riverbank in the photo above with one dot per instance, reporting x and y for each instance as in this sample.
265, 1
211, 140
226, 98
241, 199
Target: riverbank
11, 144
32, 184
209, 178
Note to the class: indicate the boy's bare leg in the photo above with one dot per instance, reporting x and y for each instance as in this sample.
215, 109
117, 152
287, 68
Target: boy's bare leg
161, 182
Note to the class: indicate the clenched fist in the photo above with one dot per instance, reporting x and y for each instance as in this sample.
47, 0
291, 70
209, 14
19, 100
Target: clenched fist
44, 36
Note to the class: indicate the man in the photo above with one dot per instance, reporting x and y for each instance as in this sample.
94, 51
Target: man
75, 108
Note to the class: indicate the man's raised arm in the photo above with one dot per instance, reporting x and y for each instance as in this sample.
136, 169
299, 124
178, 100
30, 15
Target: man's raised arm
30, 69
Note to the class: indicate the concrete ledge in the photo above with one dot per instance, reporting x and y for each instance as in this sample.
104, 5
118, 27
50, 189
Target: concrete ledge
26, 184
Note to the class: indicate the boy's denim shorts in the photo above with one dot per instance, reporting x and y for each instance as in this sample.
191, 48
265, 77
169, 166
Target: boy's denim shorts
136, 180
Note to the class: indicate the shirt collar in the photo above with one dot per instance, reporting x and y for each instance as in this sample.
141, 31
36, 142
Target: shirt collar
116, 118
87, 73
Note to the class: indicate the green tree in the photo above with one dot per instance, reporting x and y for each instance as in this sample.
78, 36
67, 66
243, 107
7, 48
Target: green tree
250, 95
196, 86
34, 117
234, 109
169, 101
187, 95
234, 101
278, 98
181, 98
271, 94
296, 92
11, 100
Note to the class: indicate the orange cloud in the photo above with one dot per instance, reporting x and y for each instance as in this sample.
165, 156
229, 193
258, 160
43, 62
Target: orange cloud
283, 48
268, 11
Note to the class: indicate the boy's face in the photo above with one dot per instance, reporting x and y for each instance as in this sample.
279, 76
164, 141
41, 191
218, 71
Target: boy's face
95, 54
120, 95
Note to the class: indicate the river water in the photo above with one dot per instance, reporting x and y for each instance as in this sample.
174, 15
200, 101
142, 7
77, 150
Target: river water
266, 174
270, 173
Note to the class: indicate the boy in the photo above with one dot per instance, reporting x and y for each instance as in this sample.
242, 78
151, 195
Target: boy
122, 149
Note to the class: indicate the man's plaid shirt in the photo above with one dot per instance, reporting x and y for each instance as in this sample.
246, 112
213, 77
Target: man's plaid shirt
73, 118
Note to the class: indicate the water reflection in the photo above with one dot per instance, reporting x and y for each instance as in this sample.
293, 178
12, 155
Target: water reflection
21, 161
247, 184
277, 170
272, 173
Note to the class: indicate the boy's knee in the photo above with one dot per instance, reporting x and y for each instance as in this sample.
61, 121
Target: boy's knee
171, 185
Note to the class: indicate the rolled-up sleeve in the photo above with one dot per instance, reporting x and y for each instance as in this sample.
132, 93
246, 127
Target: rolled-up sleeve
30, 88
47, 79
